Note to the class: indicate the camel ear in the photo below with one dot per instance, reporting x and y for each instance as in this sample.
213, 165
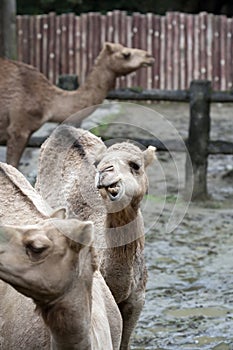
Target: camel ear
149, 155
109, 47
79, 232
59, 214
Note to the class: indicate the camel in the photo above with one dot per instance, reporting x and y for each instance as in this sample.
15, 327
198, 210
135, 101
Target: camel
51, 265
105, 185
28, 99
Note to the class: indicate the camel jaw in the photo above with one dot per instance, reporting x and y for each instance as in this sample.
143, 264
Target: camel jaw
114, 191
149, 62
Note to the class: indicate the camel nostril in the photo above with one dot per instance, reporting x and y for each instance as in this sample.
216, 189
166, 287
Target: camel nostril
107, 169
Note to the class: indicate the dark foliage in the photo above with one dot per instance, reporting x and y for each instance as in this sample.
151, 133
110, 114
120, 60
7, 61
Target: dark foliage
159, 6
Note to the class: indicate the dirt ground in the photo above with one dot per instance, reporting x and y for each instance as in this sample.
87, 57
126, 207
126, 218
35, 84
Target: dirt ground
189, 246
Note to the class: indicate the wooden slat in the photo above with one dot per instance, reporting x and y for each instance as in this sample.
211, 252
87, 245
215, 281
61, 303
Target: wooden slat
20, 37
57, 47
38, 43
163, 48
51, 48
203, 45
176, 56
143, 73
209, 45
129, 38
156, 52
223, 37
45, 41
216, 54
229, 54
64, 44
169, 51
110, 29
196, 51
84, 46
190, 49
103, 30
77, 46
26, 48
183, 50
71, 43
150, 35
135, 43
31, 44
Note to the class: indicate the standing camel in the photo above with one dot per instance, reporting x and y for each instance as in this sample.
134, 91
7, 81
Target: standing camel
28, 99
50, 262
114, 207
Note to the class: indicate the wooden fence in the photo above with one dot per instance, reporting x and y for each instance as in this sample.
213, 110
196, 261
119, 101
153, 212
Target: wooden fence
185, 46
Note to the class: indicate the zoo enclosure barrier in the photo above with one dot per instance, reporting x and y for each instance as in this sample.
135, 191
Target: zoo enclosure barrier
186, 47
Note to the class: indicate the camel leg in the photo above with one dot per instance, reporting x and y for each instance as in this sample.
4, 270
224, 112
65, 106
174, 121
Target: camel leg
130, 310
16, 143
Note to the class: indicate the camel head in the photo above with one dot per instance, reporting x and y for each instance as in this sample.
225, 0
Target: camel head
42, 260
123, 60
121, 177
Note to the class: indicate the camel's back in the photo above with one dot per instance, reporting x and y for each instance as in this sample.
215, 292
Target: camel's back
23, 91
20, 78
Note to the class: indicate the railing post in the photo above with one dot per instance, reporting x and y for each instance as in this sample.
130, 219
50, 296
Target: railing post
198, 140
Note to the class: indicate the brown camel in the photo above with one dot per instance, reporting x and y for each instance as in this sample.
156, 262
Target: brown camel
114, 208
53, 267
28, 99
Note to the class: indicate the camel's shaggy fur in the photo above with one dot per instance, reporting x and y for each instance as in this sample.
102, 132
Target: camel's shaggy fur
28, 99
53, 263
114, 209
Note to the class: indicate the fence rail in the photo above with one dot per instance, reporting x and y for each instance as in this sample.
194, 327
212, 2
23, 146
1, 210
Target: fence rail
185, 46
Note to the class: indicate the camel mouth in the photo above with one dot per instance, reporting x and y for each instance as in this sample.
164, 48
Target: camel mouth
114, 191
149, 62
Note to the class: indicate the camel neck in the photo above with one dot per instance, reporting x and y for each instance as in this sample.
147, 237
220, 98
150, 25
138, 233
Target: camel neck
100, 80
90, 94
69, 320
123, 228
69, 317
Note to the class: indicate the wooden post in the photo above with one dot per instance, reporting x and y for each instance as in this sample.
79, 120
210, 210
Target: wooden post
8, 47
198, 140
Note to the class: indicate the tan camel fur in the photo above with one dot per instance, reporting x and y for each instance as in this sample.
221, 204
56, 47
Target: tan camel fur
28, 99
115, 209
53, 264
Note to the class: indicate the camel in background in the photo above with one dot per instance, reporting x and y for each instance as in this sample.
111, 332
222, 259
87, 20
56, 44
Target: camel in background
28, 99
49, 260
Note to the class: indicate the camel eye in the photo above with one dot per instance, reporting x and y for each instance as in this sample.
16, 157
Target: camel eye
134, 166
36, 250
126, 55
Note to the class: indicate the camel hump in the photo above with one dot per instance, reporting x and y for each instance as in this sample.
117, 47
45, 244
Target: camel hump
20, 202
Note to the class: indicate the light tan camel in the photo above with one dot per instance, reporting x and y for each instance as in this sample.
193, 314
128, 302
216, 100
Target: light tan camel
28, 99
122, 183
51, 262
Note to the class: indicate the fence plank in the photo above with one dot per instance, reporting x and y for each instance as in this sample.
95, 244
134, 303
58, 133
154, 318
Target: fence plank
216, 54
51, 47
176, 60
229, 53
190, 48
223, 34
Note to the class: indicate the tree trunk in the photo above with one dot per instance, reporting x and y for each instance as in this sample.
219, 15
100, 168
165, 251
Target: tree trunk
8, 29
